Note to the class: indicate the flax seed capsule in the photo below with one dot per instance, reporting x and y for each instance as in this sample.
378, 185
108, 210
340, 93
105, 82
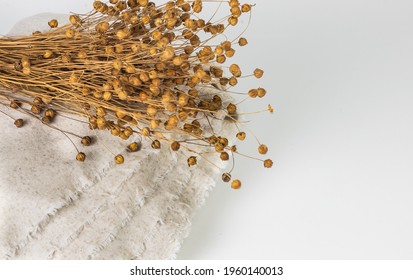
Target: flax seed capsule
232, 108
80, 156
134, 147
19, 123
236, 184
263, 149
246, 8
241, 136
221, 59
86, 141
224, 156
226, 177
192, 161
258, 73
53, 23
175, 146
156, 144
235, 70
119, 159
36, 109
50, 113
230, 52
268, 163
75, 20
47, 54
70, 34
261, 92
242, 42
253, 93
233, 81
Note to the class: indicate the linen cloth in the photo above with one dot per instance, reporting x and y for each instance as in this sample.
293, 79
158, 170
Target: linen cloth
53, 207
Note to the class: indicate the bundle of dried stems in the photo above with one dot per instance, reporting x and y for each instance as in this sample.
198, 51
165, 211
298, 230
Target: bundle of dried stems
132, 67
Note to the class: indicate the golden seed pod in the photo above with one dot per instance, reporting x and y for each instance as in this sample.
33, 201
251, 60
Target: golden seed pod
102, 27
53, 23
70, 34
101, 123
233, 20
46, 120
82, 54
118, 64
242, 42
75, 20
156, 144
107, 95
226, 45
253, 93
168, 54
223, 141
246, 8
86, 141
122, 94
123, 34
66, 58
36, 109
236, 12
15, 105
123, 135
115, 131
223, 81
100, 112
19, 123
241, 136
236, 184
268, 163
119, 159
80, 156
221, 59
258, 73
232, 108
261, 92
235, 70
230, 52
50, 113
226, 177
219, 147
128, 131
192, 161
27, 71
263, 149
134, 147
233, 81
146, 131
233, 3
224, 156
47, 54
175, 146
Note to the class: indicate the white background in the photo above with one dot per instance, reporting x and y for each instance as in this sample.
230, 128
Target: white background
339, 73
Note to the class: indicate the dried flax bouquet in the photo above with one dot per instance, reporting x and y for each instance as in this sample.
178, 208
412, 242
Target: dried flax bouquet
133, 67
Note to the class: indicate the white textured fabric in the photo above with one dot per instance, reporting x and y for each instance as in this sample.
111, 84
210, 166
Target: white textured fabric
53, 207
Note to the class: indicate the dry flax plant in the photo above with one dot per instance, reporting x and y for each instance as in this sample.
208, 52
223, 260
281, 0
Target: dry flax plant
133, 67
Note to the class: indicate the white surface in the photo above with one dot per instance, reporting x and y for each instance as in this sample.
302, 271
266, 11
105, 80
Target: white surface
340, 76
